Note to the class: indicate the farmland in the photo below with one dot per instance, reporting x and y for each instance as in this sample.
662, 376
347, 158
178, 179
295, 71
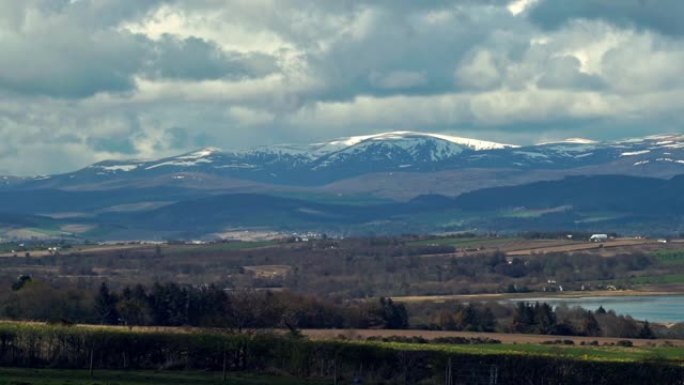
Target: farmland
358, 268
187, 306
155, 357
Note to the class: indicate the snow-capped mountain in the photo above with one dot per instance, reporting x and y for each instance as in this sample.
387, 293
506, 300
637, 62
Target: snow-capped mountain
390, 183
473, 144
400, 151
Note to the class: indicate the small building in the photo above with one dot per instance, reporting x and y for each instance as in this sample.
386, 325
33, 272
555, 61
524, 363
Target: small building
598, 238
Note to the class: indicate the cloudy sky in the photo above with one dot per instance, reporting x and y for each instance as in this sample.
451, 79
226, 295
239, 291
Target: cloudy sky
87, 80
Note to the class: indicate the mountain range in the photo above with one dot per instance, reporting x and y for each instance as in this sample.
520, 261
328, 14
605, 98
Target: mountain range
389, 182
337, 163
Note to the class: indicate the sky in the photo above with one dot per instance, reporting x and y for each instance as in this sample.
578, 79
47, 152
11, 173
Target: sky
87, 80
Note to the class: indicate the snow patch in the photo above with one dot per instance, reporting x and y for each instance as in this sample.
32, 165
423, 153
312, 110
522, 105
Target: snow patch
120, 167
633, 153
203, 153
569, 141
531, 154
241, 165
670, 160
188, 163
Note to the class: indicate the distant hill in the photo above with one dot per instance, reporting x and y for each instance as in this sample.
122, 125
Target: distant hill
383, 183
408, 163
610, 192
595, 202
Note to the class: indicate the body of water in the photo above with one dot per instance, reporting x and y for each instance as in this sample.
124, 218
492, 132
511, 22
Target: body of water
665, 308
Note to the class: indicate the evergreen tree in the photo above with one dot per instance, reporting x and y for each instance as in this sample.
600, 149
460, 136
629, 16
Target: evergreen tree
105, 306
132, 308
590, 326
646, 332
393, 315
523, 318
545, 318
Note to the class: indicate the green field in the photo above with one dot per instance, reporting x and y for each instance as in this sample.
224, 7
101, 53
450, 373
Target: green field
670, 257
13, 376
581, 353
657, 279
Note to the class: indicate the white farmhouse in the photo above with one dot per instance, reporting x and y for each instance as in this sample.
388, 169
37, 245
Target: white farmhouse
598, 238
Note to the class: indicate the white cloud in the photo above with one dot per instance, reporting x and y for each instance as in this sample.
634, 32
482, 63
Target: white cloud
479, 71
519, 6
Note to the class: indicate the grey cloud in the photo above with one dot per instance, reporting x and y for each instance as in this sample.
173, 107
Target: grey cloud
398, 80
564, 73
69, 62
58, 49
198, 59
112, 145
384, 40
183, 138
664, 16
73, 50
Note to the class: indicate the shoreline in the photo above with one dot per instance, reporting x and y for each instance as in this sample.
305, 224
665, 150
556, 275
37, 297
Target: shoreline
533, 295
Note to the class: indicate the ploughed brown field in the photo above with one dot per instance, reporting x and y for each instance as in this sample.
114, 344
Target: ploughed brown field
363, 334
329, 334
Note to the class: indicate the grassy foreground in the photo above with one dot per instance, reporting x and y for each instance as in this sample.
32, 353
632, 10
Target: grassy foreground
13, 376
672, 355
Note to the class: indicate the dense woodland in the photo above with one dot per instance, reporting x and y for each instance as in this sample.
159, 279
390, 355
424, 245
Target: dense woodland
209, 306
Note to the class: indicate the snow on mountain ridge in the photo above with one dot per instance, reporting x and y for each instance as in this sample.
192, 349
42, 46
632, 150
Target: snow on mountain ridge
202, 153
474, 144
190, 159
405, 150
569, 141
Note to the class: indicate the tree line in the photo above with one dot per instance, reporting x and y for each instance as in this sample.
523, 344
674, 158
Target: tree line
171, 304
531, 318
